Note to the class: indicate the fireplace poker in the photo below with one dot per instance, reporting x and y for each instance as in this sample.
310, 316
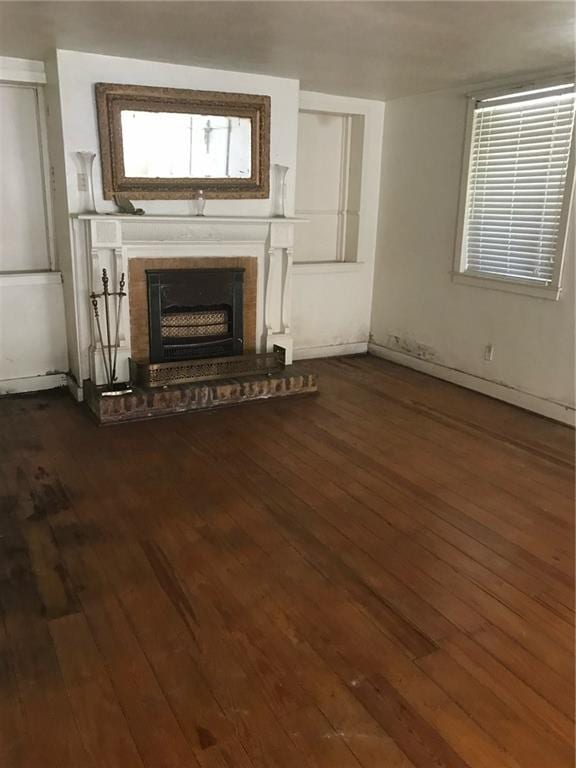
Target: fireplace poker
94, 299
121, 295
105, 281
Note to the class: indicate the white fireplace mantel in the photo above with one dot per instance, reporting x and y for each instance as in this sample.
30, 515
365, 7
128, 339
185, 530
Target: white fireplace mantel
110, 240
196, 219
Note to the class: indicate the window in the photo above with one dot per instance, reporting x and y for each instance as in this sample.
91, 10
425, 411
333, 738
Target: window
519, 180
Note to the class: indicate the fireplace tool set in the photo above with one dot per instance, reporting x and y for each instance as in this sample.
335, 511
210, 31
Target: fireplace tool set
110, 348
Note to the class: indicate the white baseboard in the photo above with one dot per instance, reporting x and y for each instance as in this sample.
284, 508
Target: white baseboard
331, 350
32, 383
529, 402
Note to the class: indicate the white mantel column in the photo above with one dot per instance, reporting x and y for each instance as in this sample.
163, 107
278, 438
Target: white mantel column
279, 286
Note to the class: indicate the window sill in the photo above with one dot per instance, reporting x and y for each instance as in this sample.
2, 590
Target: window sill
508, 286
323, 267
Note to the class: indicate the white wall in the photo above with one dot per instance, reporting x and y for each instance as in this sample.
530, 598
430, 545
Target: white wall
331, 307
420, 317
79, 72
331, 302
33, 351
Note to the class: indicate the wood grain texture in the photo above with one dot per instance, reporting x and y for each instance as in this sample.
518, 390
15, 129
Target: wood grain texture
376, 577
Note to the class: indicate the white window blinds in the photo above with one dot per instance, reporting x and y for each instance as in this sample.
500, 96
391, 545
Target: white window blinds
517, 185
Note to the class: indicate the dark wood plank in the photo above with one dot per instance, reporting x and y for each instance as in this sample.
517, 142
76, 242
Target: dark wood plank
100, 719
519, 696
532, 747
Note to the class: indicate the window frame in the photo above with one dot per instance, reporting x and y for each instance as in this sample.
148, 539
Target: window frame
510, 284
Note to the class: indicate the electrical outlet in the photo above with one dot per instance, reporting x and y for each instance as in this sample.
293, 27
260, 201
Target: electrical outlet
82, 181
489, 353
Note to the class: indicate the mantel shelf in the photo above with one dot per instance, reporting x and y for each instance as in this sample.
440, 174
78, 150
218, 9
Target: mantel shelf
194, 219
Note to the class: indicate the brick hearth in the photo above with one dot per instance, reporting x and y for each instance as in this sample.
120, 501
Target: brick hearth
145, 403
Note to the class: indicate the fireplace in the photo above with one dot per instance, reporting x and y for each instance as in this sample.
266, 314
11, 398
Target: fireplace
243, 308
195, 313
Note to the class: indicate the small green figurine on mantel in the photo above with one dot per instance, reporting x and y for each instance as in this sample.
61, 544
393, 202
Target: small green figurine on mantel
127, 207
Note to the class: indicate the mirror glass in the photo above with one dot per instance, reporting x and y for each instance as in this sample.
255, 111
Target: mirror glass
177, 145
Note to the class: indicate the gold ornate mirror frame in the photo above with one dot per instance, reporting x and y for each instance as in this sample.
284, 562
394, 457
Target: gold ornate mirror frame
111, 99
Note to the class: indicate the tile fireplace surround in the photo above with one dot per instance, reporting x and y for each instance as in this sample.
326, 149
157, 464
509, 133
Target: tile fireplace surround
138, 288
130, 245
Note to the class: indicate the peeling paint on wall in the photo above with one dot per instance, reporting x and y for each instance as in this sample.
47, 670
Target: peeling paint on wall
412, 347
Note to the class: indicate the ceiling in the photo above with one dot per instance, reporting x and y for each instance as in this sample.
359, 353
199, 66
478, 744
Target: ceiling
375, 49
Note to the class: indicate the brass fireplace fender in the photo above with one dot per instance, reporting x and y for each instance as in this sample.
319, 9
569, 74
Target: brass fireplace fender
206, 369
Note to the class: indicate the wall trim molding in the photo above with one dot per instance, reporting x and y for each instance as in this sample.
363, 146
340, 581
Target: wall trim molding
12, 279
325, 267
525, 400
331, 350
22, 71
32, 383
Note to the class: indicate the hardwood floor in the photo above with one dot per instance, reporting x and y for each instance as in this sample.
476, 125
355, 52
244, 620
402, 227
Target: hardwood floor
377, 576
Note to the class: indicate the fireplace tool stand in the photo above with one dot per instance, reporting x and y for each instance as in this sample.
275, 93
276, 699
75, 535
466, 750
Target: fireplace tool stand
110, 348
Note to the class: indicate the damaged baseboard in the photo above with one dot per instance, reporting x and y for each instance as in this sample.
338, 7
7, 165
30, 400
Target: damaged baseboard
74, 388
331, 350
529, 402
32, 383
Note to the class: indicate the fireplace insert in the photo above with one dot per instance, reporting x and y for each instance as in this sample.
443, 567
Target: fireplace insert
195, 313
